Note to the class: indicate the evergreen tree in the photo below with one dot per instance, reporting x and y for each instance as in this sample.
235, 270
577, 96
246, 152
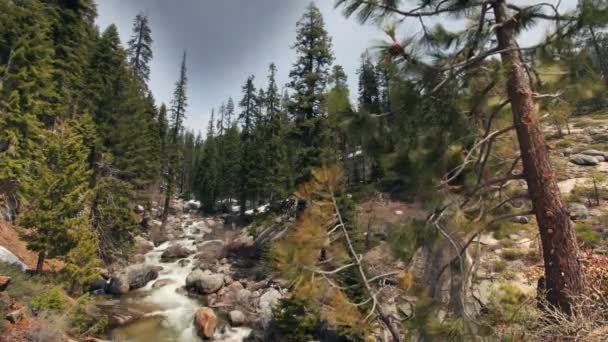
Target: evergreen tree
178, 111
57, 198
207, 170
74, 34
369, 93
277, 163
111, 218
248, 118
140, 47
308, 82
163, 130
82, 261
106, 84
26, 92
230, 112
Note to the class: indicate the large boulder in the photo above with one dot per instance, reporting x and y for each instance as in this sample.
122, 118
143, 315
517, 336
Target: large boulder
133, 277
578, 211
175, 252
584, 160
204, 282
205, 322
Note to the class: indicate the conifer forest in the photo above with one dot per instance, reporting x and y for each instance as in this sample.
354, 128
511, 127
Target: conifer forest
445, 180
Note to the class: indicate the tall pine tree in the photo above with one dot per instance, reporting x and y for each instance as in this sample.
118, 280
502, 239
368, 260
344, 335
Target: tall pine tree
140, 47
178, 112
308, 82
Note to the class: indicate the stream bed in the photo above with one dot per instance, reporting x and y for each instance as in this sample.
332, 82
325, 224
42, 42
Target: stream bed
168, 314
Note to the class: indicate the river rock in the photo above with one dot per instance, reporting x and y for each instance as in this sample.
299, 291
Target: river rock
162, 282
243, 297
578, 211
192, 205
133, 277
98, 286
268, 301
584, 160
138, 258
4, 282
175, 252
142, 246
520, 219
119, 285
237, 317
183, 262
204, 282
205, 322
596, 153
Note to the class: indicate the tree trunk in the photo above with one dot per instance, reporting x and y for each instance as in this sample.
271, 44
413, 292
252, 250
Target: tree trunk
599, 55
564, 280
40, 264
168, 194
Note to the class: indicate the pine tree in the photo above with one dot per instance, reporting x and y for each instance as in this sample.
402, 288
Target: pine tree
26, 92
248, 119
111, 218
82, 261
369, 93
58, 196
106, 84
230, 112
276, 139
207, 173
178, 111
74, 34
163, 129
308, 82
140, 47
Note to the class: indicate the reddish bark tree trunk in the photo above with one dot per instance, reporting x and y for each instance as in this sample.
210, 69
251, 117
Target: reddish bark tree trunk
40, 263
563, 272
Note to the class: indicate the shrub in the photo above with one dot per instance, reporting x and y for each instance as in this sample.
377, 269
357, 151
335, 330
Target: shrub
587, 234
512, 254
500, 265
294, 319
83, 321
510, 307
53, 300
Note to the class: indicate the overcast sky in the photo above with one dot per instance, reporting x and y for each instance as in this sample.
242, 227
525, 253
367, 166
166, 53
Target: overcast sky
227, 40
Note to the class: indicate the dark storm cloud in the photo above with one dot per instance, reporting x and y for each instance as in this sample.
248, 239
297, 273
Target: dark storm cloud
227, 40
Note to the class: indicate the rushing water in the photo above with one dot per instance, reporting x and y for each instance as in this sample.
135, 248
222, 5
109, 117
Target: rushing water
169, 314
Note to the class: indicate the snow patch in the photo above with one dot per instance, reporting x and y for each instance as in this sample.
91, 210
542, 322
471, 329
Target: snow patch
8, 257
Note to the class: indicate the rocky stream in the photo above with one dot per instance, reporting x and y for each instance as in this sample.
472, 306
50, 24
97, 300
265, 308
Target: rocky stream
187, 288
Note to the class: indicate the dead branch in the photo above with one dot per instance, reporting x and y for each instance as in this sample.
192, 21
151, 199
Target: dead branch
357, 261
